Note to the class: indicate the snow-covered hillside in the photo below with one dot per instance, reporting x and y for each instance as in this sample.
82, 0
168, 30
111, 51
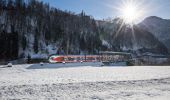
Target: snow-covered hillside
88, 82
158, 27
123, 37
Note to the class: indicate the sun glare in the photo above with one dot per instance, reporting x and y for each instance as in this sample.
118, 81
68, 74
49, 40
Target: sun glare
131, 11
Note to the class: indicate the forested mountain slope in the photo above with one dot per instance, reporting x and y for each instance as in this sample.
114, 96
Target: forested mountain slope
33, 28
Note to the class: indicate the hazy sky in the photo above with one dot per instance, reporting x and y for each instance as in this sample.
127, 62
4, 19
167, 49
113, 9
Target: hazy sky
100, 9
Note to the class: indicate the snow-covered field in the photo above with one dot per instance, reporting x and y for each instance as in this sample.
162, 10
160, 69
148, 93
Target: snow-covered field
84, 81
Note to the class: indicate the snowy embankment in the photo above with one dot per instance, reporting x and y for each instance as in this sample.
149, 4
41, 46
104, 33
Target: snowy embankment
80, 81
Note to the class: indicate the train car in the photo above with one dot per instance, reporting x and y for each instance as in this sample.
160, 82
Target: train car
73, 58
116, 58
107, 58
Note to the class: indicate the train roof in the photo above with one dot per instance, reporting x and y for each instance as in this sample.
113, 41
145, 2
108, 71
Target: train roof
114, 53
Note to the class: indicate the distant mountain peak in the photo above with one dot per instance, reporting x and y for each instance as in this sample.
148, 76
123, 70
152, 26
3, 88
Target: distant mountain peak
153, 17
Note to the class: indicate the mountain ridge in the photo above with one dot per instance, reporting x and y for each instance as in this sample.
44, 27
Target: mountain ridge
132, 38
159, 27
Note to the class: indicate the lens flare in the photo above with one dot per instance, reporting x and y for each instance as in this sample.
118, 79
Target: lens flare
131, 11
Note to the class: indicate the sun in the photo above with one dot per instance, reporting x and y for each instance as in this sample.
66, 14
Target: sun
131, 11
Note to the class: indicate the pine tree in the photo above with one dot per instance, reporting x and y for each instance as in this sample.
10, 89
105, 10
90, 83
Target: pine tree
36, 44
24, 42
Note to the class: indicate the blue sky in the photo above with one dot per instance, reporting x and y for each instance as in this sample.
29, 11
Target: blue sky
102, 9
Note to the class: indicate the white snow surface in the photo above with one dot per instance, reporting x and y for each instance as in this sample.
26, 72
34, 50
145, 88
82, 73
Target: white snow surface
84, 81
60, 73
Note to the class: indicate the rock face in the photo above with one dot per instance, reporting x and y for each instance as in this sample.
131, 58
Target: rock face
159, 27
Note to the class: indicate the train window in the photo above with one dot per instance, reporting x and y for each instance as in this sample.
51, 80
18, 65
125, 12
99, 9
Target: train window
71, 58
78, 58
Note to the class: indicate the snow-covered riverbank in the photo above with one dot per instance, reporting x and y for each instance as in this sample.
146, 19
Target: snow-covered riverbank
85, 82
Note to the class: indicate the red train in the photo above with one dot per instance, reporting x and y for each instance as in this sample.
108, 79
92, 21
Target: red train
103, 57
73, 58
